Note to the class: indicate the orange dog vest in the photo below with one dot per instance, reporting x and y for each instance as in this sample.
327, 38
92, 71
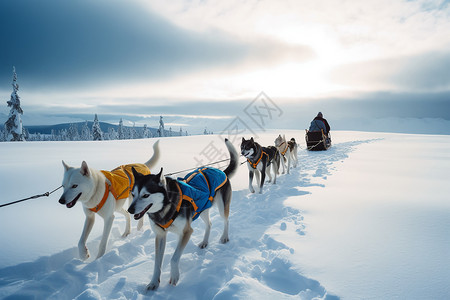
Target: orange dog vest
122, 181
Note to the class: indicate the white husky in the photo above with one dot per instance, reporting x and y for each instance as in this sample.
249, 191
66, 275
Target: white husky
101, 192
288, 151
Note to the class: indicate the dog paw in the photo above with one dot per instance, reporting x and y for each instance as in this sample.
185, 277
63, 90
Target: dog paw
125, 234
174, 279
152, 286
203, 245
84, 253
224, 240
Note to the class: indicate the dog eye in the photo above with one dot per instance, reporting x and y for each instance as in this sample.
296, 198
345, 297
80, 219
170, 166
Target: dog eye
74, 186
146, 196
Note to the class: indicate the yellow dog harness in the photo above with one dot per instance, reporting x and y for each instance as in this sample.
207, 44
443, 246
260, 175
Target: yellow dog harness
121, 182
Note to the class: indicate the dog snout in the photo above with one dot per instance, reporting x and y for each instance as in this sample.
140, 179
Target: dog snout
131, 210
62, 200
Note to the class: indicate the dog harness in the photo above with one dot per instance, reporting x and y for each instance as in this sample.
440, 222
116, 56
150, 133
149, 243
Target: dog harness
198, 188
121, 180
285, 150
254, 165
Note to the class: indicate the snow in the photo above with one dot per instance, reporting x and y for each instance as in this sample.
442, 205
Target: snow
367, 219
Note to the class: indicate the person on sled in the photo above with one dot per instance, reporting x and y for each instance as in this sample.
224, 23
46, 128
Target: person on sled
320, 123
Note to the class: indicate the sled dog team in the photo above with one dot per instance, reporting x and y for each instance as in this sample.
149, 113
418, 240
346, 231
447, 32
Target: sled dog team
171, 204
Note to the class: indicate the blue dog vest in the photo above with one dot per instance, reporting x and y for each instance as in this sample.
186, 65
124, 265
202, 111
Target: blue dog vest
199, 187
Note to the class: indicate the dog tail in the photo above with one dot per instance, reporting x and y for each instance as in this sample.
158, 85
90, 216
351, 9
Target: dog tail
234, 159
154, 159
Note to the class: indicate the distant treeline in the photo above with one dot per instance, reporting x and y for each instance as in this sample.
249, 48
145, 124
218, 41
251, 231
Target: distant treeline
86, 131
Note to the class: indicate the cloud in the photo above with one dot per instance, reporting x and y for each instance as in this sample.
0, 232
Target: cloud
426, 72
93, 43
89, 42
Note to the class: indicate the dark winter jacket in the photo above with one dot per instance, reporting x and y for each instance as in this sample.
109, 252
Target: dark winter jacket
319, 123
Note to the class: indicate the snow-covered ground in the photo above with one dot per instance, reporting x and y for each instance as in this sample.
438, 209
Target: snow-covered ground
367, 219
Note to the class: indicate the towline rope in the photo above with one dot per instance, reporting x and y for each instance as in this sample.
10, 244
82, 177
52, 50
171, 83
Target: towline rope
32, 197
195, 168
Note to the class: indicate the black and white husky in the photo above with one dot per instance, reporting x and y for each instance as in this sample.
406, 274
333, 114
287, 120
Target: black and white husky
288, 151
160, 197
260, 160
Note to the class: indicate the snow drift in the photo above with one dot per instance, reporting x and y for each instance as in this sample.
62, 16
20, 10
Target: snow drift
350, 222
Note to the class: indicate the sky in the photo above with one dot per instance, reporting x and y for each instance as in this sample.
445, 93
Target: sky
139, 59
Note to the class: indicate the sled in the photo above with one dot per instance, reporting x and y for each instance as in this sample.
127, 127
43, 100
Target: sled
317, 140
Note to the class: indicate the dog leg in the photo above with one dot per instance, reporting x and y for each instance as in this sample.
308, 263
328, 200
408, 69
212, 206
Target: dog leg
275, 168
268, 173
223, 205
106, 230
160, 246
263, 177
283, 163
175, 261
250, 180
128, 222
295, 155
288, 161
205, 217
140, 224
88, 224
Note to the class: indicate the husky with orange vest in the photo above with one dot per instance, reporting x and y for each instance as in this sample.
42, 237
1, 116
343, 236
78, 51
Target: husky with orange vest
260, 161
172, 204
288, 151
102, 193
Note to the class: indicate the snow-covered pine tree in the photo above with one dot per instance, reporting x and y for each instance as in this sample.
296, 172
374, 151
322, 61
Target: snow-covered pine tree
161, 127
112, 134
97, 133
86, 132
120, 131
170, 131
13, 126
181, 131
145, 132
63, 135
73, 134
133, 133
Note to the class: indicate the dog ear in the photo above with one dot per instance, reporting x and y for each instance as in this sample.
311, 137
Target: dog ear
136, 174
243, 140
251, 139
66, 166
160, 176
84, 169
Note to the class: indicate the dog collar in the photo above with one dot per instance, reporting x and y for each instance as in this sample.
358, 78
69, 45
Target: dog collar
165, 226
105, 196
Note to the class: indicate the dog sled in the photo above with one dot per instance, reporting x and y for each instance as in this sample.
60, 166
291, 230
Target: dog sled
317, 140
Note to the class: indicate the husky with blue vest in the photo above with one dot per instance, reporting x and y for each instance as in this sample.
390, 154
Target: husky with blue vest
260, 161
102, 193
172, 204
